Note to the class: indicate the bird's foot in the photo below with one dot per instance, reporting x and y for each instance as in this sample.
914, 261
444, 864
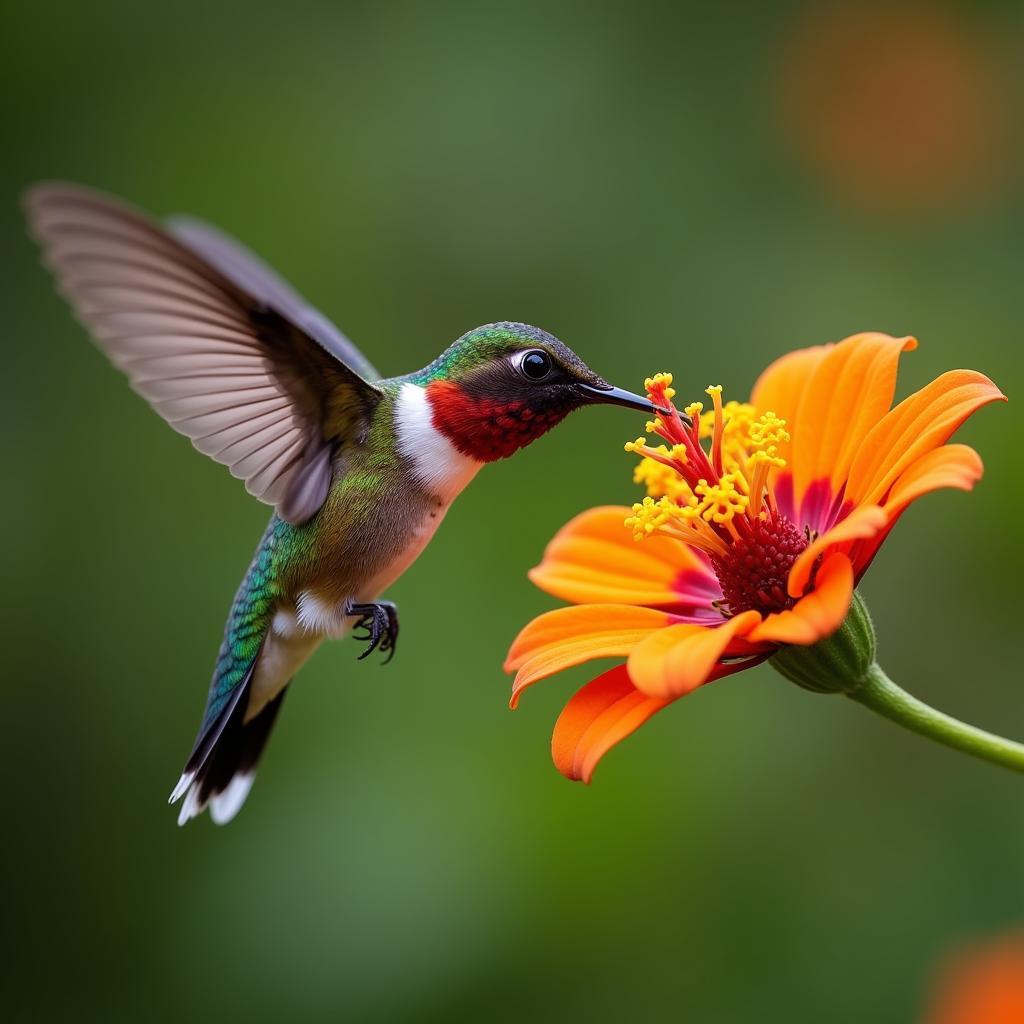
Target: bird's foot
379, 620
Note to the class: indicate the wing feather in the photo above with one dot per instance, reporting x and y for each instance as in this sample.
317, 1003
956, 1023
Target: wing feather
227, 352
256, 441
99, 274
249, 272
105, 296
136, 353
214, 442
162, 384
272, 474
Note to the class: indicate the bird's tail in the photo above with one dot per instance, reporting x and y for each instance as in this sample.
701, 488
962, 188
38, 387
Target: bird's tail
219, 771
220, 774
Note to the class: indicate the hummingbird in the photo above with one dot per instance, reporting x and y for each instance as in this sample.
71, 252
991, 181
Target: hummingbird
359, 469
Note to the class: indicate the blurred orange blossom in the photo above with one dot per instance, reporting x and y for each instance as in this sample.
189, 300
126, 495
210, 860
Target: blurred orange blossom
898, 108
982, 985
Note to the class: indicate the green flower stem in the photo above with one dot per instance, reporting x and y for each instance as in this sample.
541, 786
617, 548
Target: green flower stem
845, 663
879, 693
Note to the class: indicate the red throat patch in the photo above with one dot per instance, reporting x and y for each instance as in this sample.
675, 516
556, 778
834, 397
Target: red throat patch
484, 428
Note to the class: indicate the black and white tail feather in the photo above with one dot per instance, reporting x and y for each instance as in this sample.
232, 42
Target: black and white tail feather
222, 766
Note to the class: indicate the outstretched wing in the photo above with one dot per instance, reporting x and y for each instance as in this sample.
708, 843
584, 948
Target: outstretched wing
242, 266
225, 351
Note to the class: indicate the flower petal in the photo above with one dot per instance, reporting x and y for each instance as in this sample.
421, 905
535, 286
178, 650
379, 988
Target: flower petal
864, 521
817, 615
781, 386
845, 395
918, 425
952, 465
606, 711
678, 659
594, 559
601, 714
570, 636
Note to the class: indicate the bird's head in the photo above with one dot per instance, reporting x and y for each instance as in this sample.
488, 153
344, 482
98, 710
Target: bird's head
503, 385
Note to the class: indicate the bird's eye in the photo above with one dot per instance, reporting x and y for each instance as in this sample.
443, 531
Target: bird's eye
535, 364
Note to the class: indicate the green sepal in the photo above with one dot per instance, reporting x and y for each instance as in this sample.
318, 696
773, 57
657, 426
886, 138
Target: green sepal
837, 664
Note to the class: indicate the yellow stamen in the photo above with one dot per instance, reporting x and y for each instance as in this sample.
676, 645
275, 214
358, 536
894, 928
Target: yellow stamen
738, 418
768, 430
644, 520
675, 458
743, 449
715, 391
722, 501
701, 535
660, 383
650, 516
661, 479
763, 462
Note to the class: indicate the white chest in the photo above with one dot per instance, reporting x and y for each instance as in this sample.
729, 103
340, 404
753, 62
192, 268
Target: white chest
435, 462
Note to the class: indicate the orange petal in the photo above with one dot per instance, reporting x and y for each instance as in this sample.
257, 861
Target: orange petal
864, 521
605, 712
918, 425
845, 395
952, 465
781, 386
817, 615
570, 636
594, 559
601, 714
677, 659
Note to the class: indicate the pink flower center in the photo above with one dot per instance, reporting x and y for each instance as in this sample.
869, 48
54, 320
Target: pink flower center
754, 572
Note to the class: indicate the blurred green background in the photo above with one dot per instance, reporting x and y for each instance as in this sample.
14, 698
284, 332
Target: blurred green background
672, 186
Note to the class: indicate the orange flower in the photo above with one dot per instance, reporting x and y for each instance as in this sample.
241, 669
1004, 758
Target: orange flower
759, 521
982, 985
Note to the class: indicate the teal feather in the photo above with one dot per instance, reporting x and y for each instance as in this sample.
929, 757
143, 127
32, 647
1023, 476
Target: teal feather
250, 617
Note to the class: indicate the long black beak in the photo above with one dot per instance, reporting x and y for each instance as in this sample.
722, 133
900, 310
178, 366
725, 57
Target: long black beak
618, 396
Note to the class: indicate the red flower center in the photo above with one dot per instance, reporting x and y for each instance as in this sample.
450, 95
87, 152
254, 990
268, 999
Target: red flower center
754, 573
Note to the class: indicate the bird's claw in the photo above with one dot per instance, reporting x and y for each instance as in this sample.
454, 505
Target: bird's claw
379, 623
